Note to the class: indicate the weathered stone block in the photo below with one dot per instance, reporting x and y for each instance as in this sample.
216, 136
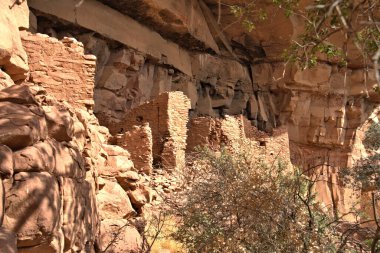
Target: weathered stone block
139, 197
19, 94
5, 80
21, 126
52, 157
79, 220
33, 209
116, 235
128, 180
7, 241
113, 202
60, 123
6, 162
13, 58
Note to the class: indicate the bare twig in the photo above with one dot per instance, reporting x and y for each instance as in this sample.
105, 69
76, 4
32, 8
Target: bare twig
377, 234
376, 59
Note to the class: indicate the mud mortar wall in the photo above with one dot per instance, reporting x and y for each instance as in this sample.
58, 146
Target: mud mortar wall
167, 116
61, 67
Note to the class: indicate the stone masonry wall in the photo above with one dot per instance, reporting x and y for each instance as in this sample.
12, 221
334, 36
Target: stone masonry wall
215, 133
238, 132
173, 152
61, 67
155, 112
128, 75
138, 141
167, 116
201, 133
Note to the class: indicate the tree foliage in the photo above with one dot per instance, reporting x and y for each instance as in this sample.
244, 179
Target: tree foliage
364, 176
331, 29
354, 22
372, 137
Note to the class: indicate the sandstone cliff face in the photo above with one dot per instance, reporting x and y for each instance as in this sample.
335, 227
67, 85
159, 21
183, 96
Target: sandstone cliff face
133, 71
59, 178
89, 109
323, 126
326, 107
13, 58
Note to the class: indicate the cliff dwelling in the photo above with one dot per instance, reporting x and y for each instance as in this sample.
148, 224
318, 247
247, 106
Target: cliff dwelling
114, 112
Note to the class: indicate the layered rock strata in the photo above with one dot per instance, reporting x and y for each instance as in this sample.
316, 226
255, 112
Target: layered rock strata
329, 107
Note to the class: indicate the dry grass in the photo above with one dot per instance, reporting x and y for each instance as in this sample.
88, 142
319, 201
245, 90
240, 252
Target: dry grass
163, 242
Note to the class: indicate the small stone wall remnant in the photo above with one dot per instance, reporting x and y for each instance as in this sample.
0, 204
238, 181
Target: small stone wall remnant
215, 133
201, 133
235, 133
139, 143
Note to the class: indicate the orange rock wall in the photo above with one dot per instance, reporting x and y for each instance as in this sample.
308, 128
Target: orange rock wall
50, 189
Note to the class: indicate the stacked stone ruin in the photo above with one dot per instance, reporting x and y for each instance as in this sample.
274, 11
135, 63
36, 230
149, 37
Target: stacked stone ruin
95, 109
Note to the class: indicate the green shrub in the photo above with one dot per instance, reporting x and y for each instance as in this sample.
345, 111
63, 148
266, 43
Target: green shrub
372, 137
234, 203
